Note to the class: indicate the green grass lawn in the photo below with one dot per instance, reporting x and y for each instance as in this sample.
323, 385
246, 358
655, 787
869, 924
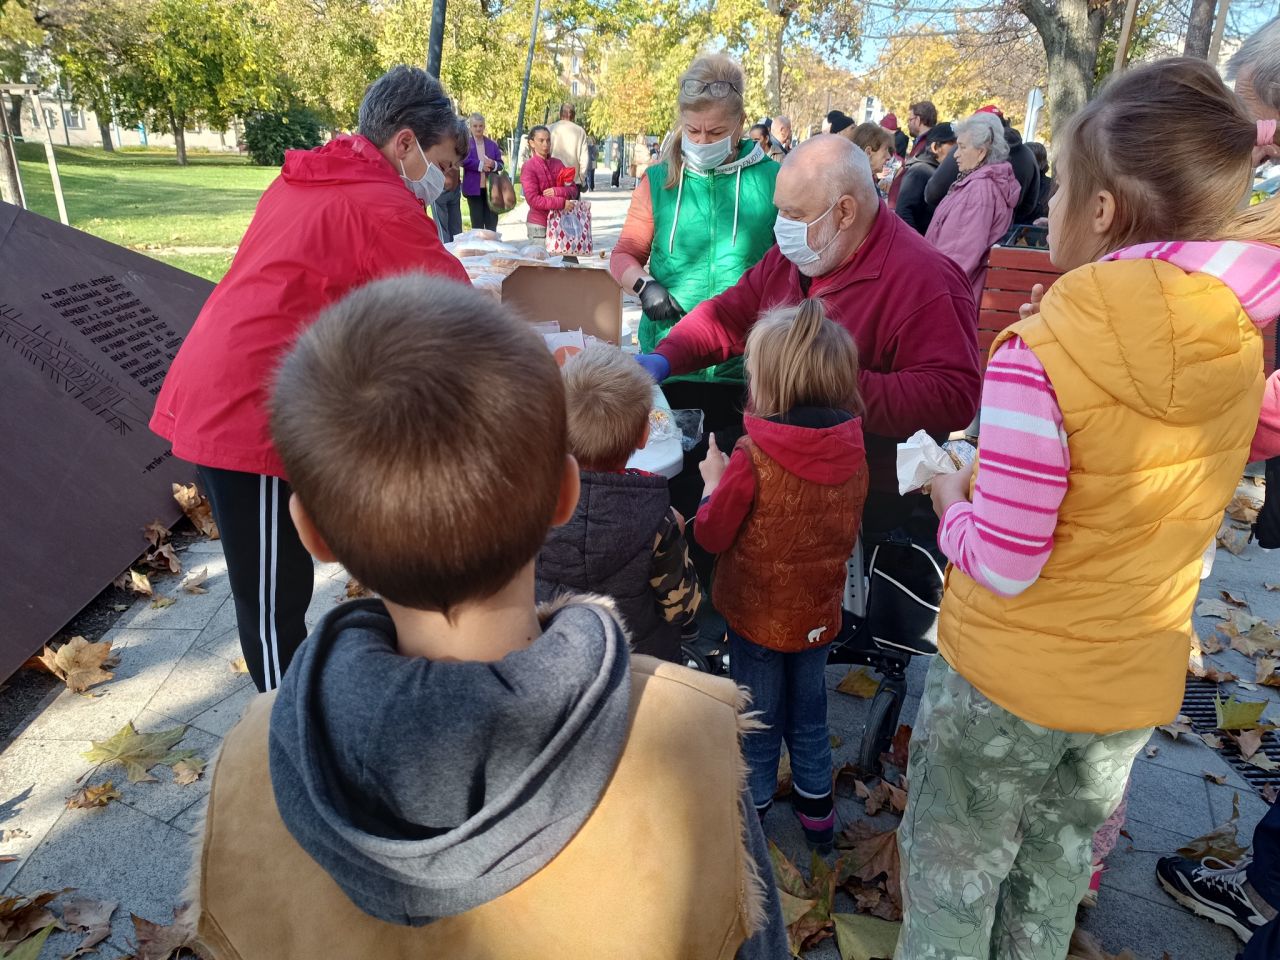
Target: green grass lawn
144, 200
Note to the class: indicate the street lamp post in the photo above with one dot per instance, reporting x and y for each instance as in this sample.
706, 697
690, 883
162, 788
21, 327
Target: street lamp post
528, 69
435, 42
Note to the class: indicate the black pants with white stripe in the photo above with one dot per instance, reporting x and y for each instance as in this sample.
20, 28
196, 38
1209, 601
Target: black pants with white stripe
270, 570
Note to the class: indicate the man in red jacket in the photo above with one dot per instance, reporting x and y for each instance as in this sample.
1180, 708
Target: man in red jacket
336, 218
909, 309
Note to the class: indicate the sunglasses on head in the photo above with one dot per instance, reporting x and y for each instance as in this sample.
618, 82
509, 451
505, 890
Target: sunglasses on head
716, 88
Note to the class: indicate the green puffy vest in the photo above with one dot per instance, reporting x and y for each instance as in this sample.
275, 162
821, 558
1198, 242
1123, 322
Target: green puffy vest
704, 258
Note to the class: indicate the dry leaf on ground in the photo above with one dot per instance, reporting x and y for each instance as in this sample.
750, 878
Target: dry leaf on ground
1233, 714
1222, 841
1244, 509
858, 683
1248, 742
156, 533
80, 664
1218, 778
869, 855
239, 666
193, 582
21, 916
140, 583
17, 833
1213, 608
139, 752
197, 508
899, 749
810, 926
93, 917
30, 949
1211, 740
1197, 668
1266, 675
1233, 599
356, 590
164, 559
883, 795
1210, 644
1231, 539
189, 770
860, 937
159, 603
97, 796
1179, 726
1271, 793
158, 942
1271, 587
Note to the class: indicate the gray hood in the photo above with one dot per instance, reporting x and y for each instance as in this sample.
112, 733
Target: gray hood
428, 788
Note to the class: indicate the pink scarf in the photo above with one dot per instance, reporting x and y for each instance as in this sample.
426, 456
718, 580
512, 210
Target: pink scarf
1251, 270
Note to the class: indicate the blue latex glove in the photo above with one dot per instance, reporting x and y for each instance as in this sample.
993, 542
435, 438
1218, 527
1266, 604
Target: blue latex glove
655, 364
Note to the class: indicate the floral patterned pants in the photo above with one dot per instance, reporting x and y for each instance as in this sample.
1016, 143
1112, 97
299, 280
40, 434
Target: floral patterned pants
997, 837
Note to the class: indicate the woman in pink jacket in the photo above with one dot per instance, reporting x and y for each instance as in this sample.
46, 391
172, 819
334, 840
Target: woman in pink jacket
540, 180
978, 208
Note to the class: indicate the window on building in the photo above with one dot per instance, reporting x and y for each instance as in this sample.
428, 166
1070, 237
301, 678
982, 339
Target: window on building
73, 118
577, 64
575, 88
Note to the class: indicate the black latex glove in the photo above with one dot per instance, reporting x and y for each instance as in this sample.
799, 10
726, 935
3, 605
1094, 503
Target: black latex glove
658, 304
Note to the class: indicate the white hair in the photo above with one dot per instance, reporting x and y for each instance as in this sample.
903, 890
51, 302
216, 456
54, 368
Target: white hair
1260, 55
476, 118
984, 131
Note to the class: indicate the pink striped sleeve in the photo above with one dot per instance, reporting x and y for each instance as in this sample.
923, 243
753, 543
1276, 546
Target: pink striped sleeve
1004, 537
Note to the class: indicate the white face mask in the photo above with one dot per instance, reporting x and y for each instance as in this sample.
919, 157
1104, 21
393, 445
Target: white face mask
793, 239
704, 156
430, 185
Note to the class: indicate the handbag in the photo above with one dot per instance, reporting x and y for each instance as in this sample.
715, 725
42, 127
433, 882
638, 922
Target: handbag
502, 195
569, 231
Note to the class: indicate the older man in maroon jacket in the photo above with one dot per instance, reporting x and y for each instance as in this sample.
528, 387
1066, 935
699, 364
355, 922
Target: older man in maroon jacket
910, 309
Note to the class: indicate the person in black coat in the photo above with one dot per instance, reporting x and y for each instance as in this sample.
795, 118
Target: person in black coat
1046, 181
1024, 165
911, 205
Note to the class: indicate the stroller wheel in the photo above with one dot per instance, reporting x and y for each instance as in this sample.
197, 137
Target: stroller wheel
692, 659
882, 722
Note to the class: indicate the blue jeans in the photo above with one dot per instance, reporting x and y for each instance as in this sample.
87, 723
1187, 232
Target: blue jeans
790, 692
1264, 875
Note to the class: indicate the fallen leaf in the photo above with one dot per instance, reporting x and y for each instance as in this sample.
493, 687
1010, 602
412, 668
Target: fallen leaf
1271, 587
17, 833
119, 607
1248, 742
900, 748
1271, 793
813, 924
196, 507
836, 741
193, 582
1212, 674
1211, 644
1260, 639
883, 795
1244, 509
1218, 778
140, 583
21, 916
80, 664
1266, 674
8, 858
1211, 740
1153, 752
156, 533
858, 683
871, 855
1179, 726
159, 942
873, 900
793, 908
844, 781
1263, 762
139, 752
189, 770
1233, 714
239, 666
1213, 608
93, 917
1232, 540
30, 950
1222, 841
88, 797
356, 590
159, 603
163, 558
1232, 599
860, 937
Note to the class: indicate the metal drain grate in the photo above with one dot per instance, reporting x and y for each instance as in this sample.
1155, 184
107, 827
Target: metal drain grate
1197, 705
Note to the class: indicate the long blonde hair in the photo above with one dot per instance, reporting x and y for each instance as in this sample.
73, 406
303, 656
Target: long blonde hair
711, 68
1174, 147
798, 357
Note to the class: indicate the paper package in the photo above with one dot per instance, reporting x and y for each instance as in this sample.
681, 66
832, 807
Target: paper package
920, 459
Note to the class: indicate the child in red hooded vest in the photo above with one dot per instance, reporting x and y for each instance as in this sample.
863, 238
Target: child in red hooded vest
783, 513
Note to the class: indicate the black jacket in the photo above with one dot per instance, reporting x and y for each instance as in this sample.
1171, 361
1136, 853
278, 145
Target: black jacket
911, 206
1025, 168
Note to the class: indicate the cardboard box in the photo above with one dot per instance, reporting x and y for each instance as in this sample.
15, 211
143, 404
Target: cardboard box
577, 298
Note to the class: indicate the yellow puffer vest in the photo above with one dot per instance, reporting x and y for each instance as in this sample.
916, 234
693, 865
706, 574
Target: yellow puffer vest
658, 872
1159, 376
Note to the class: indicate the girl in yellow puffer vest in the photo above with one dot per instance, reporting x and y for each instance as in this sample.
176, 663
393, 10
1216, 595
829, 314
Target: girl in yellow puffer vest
1116, 417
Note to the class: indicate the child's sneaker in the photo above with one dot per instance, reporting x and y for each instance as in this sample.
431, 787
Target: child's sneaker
1213, 889
1090, 898
817, 816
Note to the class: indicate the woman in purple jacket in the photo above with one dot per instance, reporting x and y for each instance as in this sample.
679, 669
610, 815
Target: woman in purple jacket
540, 181
978, 208
483, 158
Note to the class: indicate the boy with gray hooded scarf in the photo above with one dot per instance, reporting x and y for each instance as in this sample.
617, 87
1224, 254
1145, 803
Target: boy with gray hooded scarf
448, 770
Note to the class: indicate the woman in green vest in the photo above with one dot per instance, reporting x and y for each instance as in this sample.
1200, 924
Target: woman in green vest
699, 218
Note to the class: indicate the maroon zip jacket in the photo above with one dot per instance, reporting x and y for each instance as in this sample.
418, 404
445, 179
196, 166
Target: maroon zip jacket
910, 311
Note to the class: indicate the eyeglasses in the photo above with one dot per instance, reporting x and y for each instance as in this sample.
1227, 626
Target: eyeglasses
716, 88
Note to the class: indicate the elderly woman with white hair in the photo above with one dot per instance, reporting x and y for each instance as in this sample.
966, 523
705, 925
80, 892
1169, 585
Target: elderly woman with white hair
978, 208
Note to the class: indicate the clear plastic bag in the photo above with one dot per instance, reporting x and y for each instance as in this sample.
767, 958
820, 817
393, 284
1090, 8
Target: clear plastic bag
690, 424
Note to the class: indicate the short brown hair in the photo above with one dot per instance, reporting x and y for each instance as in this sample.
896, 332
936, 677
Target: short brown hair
926, 112
871, 136
423, 428
1182, 187
608, 397
798, 357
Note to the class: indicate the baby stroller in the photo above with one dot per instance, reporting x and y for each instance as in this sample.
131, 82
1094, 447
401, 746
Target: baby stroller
890, 615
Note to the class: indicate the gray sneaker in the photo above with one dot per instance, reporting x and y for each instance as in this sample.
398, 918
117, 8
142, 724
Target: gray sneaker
1214, 889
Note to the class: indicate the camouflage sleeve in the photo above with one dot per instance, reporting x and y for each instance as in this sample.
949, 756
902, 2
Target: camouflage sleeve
671, 574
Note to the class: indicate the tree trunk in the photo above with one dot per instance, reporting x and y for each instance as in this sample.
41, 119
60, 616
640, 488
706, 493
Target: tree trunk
179, 126
1200, 28
104, 131
1070, 32
775, 31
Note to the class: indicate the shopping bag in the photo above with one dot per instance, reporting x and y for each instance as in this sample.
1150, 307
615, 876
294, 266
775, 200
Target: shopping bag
502, 195
569, 231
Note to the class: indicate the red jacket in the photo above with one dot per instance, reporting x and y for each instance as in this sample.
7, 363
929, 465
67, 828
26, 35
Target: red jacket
784, 519
336, 218
537, 175
910, 311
